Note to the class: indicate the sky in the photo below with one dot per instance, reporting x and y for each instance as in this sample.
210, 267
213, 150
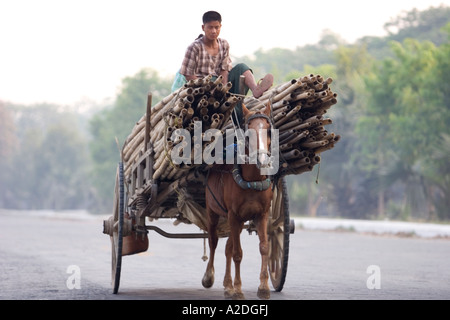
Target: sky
70, 51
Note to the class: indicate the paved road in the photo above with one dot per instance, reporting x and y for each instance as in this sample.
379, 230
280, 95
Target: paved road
36, 254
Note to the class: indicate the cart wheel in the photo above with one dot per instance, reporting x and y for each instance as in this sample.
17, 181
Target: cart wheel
279, 229
117, 238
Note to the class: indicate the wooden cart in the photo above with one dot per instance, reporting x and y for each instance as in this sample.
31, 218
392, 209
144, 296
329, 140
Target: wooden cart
139, 199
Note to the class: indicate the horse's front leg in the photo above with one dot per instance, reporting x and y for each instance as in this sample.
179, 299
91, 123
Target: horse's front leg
263, 289
235, 233
208, 278
228, 280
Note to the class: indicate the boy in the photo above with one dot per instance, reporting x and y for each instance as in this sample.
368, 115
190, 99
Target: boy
209, 54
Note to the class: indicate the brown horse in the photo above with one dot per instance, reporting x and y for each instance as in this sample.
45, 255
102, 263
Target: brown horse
228, 194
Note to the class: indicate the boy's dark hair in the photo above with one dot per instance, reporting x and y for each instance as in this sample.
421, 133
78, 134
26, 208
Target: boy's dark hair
211, 16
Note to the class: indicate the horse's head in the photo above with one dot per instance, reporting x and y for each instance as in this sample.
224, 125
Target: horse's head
258, 127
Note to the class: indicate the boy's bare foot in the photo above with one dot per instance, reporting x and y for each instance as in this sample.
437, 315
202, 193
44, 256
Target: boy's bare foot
263, 85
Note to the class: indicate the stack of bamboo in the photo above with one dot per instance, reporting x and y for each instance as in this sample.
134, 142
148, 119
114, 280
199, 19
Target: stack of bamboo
201, 101
298, 110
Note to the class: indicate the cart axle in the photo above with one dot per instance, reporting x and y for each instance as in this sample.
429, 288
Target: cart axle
178, 235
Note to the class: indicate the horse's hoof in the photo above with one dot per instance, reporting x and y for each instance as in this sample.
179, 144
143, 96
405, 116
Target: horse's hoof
238, 296
228, 293
264, 294
208, 280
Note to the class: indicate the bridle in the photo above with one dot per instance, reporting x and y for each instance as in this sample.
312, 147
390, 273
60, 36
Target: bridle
236, 172
270, 122
256, 116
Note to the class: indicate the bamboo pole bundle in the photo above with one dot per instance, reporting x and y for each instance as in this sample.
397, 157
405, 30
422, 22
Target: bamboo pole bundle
200, 101
298, 108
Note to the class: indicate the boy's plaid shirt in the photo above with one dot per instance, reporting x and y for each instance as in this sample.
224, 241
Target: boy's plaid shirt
198, 62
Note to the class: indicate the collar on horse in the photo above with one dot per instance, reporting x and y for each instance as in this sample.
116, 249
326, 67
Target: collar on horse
254, 185
236, 172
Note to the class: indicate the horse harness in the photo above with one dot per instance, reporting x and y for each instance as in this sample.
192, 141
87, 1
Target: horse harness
236, 171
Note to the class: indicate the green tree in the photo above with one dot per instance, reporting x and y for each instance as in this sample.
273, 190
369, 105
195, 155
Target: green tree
405, 115
61, 169
280, 62
8, 144
420, 25
437, 168
117, 122
348, 184
342, 189
47, 168
438, 173
7, 132
423, 25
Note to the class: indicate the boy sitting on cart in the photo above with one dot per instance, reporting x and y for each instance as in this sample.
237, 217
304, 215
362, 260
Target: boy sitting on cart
210, 55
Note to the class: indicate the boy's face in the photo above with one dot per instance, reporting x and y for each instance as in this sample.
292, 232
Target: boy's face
212, 30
